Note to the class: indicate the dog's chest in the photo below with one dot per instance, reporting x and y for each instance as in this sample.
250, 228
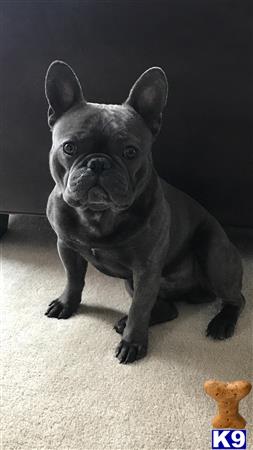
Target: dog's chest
109, 261
113, 261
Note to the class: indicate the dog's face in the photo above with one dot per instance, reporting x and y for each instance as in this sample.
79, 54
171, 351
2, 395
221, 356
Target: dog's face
101, 154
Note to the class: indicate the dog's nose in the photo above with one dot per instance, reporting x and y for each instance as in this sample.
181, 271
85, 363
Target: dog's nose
98, 164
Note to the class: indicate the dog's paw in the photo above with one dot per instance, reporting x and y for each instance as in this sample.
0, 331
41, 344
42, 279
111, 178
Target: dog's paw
120, 325
60, 310
128, 352
221, 327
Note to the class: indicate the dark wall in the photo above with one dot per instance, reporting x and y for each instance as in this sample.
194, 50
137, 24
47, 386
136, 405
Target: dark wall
204, 46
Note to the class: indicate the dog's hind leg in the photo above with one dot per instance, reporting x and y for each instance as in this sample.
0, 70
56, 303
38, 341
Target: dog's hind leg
163, 311
221, 264
197, 296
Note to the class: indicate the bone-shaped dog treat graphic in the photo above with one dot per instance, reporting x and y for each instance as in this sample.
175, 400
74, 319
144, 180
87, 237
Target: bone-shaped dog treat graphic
228, 395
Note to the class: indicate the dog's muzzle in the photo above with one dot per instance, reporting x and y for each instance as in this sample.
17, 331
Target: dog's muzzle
84, 183
87, 175
99, 164
97, 181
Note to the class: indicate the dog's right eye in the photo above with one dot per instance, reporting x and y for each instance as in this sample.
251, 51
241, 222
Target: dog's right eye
69, 148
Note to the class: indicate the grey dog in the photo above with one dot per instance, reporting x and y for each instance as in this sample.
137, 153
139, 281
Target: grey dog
110, 208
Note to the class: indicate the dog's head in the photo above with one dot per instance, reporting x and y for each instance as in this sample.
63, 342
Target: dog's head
101, 154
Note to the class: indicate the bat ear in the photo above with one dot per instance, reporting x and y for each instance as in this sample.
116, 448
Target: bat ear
63, 90
148, 97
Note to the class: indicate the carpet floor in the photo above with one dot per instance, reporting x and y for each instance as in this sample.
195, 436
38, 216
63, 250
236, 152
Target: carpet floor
62, 387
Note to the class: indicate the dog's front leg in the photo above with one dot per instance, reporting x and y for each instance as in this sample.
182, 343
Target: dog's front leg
135, 336
75, 267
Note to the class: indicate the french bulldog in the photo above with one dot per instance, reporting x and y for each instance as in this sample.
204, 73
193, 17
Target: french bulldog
111, 209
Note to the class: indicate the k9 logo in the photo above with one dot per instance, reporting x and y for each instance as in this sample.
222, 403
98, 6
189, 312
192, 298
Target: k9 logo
228, 439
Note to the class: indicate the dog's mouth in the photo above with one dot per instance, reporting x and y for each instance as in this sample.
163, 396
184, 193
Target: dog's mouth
98, 198
97, 195
109, 190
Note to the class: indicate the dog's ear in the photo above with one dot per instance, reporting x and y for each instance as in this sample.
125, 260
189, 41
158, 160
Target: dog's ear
62, 89
148, 97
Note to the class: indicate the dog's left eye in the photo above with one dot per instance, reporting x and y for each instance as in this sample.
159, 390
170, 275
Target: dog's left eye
69, 148
130, 152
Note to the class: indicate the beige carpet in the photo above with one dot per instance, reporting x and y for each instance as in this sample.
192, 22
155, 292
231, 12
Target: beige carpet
62, 387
